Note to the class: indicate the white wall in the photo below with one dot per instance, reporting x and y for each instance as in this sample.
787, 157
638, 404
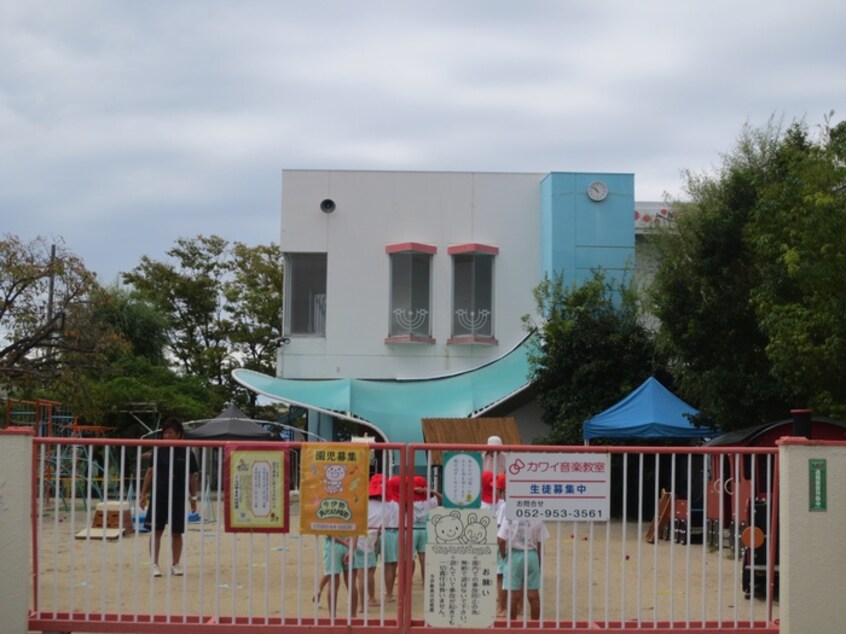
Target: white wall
375, 209
812, 556
15, 528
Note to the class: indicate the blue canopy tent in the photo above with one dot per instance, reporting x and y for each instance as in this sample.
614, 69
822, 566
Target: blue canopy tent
650, 411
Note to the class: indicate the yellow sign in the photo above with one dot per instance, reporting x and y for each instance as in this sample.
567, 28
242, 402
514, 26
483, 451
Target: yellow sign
333, 489
256, 490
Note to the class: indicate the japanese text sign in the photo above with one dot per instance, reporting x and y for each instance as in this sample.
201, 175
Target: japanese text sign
460, 585
256, 490
561, 487
462, 486
333, 489
817, 469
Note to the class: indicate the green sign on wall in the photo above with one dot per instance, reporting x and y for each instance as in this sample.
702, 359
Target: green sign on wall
816, 477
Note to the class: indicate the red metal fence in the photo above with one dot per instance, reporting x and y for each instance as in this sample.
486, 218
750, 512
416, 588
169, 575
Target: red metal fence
691, 543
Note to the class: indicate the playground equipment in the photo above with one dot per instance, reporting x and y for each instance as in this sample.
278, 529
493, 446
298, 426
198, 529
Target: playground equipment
112, 519
742, 490
77, 471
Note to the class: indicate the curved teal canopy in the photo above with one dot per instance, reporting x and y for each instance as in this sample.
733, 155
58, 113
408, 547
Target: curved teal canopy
396, 407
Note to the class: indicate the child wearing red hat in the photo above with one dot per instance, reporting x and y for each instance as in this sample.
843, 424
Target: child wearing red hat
364, 557
487, 490
390, 536
501, 598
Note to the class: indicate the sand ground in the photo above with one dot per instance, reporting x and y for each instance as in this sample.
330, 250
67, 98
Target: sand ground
588, 574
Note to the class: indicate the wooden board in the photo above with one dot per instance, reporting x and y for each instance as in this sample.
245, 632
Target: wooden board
110, 521
662, 518
468, 431
100, 533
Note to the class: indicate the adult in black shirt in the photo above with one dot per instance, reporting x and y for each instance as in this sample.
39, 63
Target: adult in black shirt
169, 495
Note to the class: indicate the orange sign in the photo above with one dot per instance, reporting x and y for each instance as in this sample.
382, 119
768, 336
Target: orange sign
333, 489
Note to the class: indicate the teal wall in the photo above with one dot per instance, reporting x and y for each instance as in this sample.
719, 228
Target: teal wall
578, 234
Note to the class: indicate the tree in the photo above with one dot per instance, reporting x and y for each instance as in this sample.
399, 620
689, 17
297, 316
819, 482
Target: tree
592, 351
47, 326
223, 305
254, 301
136, 373
748, 289
797, 234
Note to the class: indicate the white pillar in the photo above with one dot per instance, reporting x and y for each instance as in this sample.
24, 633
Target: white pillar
15, 527
812, 550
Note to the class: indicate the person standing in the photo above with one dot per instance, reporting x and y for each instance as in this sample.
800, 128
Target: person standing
425, 500
167, 482
519, 544
335, 566
494, 459
499, 510
364, 556
390, 536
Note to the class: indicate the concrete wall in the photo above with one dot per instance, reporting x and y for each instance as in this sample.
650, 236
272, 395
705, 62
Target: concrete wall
539, 223
15, 528
376, 209
812, 553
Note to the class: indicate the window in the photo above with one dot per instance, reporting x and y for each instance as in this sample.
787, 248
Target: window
305, 297
472, 293
410, 316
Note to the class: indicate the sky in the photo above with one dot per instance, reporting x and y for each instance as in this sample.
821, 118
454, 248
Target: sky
125, 126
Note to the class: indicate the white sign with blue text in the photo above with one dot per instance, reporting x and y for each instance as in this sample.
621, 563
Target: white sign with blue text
558, 487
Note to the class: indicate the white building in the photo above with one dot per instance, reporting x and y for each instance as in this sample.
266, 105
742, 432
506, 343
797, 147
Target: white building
406, 291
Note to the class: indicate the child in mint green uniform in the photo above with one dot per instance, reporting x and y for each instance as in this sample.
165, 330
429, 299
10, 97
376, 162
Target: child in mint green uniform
425, 500
519, 543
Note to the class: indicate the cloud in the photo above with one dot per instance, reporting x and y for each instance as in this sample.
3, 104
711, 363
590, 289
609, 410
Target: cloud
128, 125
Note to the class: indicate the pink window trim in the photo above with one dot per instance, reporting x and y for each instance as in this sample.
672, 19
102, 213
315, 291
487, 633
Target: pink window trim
473, 247
484, 341
409, 339
404, 247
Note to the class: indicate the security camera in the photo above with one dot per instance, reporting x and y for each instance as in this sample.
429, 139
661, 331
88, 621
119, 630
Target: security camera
327, 205
283, 341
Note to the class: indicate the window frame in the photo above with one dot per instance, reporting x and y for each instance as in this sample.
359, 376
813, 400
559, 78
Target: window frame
409, 249
473, 249
291, 275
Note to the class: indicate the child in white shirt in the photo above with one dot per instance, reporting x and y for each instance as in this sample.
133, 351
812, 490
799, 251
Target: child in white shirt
519, 543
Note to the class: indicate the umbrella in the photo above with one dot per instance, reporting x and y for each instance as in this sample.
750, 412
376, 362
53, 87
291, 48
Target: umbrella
230, 424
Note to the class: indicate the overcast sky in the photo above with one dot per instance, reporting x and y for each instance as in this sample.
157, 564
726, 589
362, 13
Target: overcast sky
126, 125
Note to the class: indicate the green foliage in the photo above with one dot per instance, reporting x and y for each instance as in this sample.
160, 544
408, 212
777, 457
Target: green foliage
749, 288
798, 237
167, 342
223, 308
141, 325
592, 351
46, 325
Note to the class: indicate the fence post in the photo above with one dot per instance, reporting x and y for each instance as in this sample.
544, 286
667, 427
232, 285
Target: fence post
812, 509
15, 526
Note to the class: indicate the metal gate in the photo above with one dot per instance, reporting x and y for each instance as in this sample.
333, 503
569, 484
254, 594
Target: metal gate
692, 533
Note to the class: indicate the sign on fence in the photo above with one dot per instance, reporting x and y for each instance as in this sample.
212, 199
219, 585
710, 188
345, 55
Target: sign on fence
462, 486
558, 487
256, 490
460, 588
333, 489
